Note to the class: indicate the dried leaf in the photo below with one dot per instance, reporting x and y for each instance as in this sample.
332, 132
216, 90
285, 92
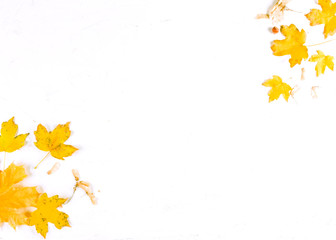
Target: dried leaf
92, 198
294, 90
54, 168
53, 142
313, 92
75, 173
292, 44
262, 16
47, 212
86, 186
303, 73
325, 16
278, 87
323, 61
15, 200
277, 11
84, 183
9, 142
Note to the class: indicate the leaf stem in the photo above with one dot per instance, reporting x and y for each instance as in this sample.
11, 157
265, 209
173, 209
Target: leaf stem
41, 160
69, 199
288, 9
320, 43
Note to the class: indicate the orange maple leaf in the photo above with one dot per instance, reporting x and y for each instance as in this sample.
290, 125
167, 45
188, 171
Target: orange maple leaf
15, 200
325, 16
292, 45
47, 212
53, 142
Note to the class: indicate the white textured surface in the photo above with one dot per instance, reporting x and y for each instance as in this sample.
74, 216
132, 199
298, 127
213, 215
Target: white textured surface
174, 129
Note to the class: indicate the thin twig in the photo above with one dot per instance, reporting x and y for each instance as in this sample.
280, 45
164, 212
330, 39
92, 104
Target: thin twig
288, 9
73, 193
312, 45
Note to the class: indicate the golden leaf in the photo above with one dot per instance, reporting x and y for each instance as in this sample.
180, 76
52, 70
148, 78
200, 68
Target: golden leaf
9, 142
15, 200
278, 87
53, 142
323, 61
292, 45
47, 212
325, 16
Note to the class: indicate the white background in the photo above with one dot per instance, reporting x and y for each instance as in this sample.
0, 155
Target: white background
173, 125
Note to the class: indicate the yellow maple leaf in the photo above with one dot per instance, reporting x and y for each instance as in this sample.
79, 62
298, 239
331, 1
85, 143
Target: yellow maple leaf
278, 87
47, 212
53, 142
292, 44
15, 200
323, 61
325, 16
9, 142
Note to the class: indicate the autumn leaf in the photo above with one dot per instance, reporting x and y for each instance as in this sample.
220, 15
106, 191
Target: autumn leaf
278, 87
292, 45
9, 142
277, 11
323, 61
47, 212
53, 142
325, 16
15, 200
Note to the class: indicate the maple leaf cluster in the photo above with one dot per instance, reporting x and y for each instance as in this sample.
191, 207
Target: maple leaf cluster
294, 43
17, 202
